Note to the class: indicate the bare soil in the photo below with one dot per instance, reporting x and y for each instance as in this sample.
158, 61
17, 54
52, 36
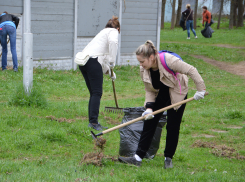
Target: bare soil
203, 135
236, 69
219, 131
60, 120
219, 150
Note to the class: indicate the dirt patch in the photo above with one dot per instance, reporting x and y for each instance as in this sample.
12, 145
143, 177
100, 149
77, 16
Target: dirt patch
235, 127
228, 46
219, 131
219, 150
236, 69
203, 135
96, 158
60, 120
100, 143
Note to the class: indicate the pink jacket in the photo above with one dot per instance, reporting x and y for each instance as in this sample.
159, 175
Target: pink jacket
168, 79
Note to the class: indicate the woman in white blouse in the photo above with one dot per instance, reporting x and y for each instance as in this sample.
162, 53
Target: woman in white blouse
99, 57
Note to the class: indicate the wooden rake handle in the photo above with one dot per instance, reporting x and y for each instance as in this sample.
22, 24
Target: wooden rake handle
153, 113
114, 89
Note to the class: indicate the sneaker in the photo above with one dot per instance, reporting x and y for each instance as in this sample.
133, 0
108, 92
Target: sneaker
188, 38
168, 163
130, 160
96, 126
15, 69
196, 37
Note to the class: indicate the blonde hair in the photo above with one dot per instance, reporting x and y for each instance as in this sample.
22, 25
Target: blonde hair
188, 6
147, 49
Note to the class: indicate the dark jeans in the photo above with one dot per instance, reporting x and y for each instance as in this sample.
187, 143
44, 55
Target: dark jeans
11, 31
93, 75
189, 24
173, 126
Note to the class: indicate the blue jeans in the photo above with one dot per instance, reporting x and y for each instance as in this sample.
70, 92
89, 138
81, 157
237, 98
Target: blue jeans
11, 31
189, 23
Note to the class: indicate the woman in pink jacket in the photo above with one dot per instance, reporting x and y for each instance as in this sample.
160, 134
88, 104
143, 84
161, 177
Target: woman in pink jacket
163, 89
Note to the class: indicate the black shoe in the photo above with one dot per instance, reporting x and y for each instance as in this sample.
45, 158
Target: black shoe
130, 160
96, 126
168, 163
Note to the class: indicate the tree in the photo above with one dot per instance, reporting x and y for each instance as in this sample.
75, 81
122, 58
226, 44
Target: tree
220, 11
235, 6
178, 13
240, 13
195, 15
231, 14
173, 14
163, 13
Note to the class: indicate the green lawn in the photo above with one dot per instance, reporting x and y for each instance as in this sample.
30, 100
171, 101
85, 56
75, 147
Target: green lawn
36, 148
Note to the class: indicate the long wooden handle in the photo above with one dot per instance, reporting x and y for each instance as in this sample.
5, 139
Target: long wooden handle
153, 113
114, 90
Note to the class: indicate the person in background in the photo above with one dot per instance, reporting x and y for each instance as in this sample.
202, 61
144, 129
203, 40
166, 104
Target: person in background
206, 16
102, 52
8, 26
161, 90
188, 13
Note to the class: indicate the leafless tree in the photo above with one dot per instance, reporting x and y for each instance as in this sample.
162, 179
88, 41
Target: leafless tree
163, 13
178, 13
220, 11
195, 15
231, 14
240, 13
173, 14
235, 6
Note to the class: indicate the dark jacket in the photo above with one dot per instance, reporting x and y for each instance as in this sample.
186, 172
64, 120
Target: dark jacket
187, 12
9, 17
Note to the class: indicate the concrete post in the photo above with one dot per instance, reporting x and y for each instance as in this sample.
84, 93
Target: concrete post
27, 48
118, 62
74, 65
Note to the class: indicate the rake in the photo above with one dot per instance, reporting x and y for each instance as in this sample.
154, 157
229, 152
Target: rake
140, 118
114, 109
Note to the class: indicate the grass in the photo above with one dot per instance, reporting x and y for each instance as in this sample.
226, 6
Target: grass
35, 148
175, 40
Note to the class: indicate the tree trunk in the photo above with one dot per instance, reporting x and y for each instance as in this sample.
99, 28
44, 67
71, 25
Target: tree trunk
178, 13
173, 14
195, 15
231, 14
240, 13
220, 11
235, 12
163, 13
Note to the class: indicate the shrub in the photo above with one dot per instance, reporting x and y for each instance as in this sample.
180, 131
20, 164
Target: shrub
34, 99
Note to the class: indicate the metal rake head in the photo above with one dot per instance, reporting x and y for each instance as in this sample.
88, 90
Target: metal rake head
114, 110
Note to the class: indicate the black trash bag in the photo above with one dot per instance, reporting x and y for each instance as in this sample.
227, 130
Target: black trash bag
130, 135
207, 32
182, 22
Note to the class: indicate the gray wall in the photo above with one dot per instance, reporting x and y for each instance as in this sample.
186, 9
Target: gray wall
11, 6
139, 23
94, 14
53, 28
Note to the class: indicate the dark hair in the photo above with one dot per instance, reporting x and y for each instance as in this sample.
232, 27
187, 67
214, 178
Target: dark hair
5, 12
113, 23
205, 7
